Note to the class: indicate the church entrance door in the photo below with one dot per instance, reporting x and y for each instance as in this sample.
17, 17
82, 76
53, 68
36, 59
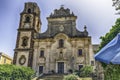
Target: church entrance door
40, 69
60, 67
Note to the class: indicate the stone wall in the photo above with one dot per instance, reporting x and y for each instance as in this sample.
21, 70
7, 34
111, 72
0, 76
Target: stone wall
69, 53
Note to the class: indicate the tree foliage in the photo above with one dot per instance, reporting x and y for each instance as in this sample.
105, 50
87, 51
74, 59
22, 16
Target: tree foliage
111, 71
12, 72
116, 3
111, 34
86, 71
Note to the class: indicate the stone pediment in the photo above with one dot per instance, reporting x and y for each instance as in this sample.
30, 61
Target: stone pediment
64, 22
61, 59
61, 13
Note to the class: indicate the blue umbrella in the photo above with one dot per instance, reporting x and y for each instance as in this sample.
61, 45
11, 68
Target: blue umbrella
111, 52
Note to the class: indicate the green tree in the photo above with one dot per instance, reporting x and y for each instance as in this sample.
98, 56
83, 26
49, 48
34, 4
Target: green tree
12, 72
111, 34
116, 3
86, 71
111, 71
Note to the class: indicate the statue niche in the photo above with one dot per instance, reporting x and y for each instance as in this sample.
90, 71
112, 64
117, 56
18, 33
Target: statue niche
24, 41
61, 55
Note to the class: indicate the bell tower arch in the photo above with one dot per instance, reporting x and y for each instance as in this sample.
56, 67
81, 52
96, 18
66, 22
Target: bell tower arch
30, 25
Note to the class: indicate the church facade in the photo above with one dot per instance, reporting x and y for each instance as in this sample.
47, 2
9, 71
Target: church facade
60, 49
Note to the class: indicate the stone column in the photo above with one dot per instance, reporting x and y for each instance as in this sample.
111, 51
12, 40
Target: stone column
73, 55
48, 57
56, 67
36, 57
65, 67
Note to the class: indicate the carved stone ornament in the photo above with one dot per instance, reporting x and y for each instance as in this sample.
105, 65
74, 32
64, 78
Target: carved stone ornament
61, 13
22, 60
61, 28
26, 25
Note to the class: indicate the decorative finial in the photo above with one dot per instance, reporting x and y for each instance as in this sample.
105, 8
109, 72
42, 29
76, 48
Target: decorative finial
51, 14
72, 13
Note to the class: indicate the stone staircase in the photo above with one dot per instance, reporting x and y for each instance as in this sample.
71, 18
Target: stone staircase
52, 77
57, 77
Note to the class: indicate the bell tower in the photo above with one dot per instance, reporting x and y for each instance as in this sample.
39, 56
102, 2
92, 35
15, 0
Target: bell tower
29, 26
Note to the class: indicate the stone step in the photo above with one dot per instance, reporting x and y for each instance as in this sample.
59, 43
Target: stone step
52, 77
34, 78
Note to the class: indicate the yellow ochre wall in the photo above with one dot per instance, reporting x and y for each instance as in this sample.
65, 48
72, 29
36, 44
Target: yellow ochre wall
7, 61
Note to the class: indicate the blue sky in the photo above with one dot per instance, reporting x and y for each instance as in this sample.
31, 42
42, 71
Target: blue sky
97, 15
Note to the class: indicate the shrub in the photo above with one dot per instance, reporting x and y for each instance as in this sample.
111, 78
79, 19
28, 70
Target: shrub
86, 71
71, 77
12, 72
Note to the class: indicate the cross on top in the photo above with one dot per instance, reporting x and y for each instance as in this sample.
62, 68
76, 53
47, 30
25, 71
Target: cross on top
62, 5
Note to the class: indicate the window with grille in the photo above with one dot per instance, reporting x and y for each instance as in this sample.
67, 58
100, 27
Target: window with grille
61, 43
42, 53
79, 52
92, 63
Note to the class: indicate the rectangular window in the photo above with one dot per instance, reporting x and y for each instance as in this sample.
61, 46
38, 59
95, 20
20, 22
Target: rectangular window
61, 43
79, 52
42, 53
4, 60
92, 63
80, 66
0, 57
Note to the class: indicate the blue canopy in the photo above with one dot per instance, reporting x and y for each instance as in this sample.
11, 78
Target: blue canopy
111, 52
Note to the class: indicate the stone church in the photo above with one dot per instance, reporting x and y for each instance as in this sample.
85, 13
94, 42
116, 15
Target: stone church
60, 49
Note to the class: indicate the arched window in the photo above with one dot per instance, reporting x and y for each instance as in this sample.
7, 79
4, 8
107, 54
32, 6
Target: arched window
24, 41
42, 53
29, 10
79, 52
61, 43
27, 20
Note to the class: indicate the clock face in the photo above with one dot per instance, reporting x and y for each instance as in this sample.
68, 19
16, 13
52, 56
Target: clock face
22, 60
26, 25
61, 28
